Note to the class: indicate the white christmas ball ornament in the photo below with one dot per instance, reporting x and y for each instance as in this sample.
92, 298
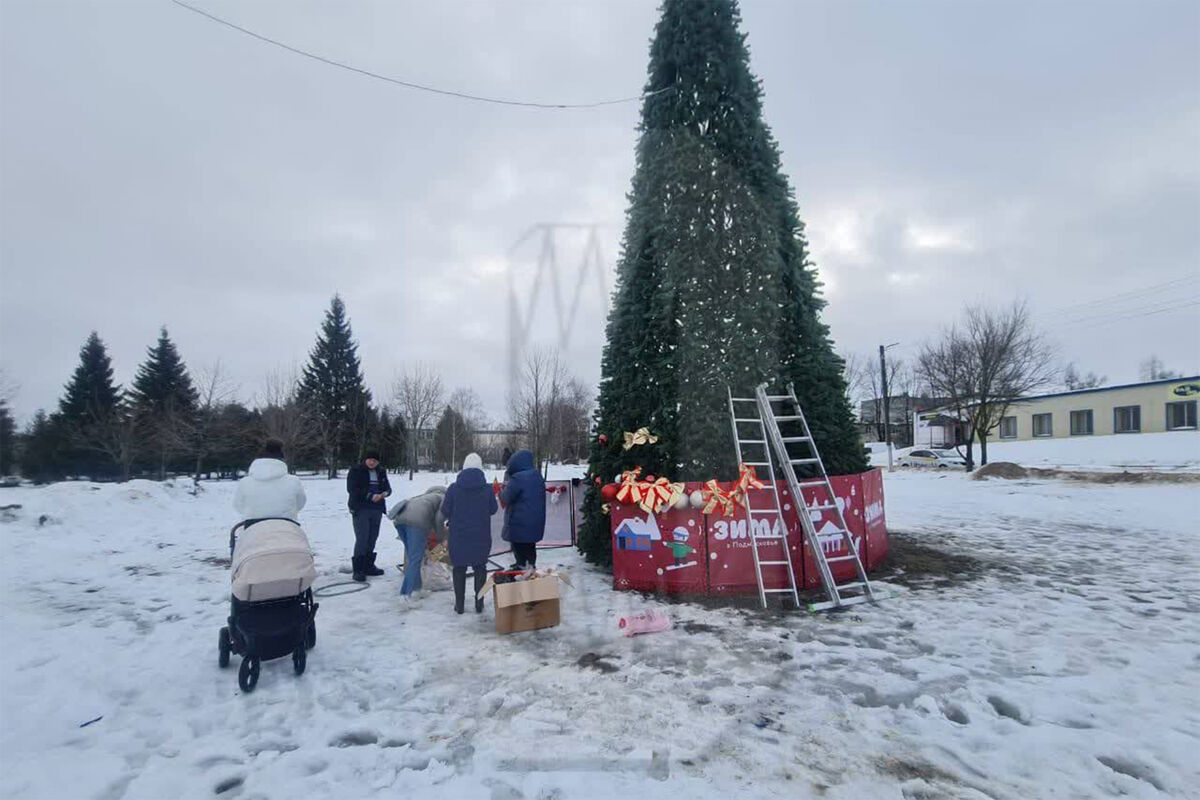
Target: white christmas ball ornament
682, 502
697, 499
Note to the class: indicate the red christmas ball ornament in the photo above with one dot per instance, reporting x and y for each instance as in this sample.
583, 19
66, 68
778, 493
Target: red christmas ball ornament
596, 480
650, 478
604, 440
609, 492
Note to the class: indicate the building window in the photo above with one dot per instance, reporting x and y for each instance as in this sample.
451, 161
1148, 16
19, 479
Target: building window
1008, 428
1181, 415
1127, 419
1043, 425
1081, 423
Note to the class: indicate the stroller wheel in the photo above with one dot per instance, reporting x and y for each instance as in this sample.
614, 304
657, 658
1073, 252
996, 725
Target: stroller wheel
310, 638
299, 659
223, 648
248, 673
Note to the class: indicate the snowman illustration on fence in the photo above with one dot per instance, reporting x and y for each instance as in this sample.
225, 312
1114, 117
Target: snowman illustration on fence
679, 547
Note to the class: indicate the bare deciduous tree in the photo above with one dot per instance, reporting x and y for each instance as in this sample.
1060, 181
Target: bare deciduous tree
994, 359
417, 395
541, 379
214, 389
1073, 380
854, 369
116, 435
1153, 369
874, 385
283, 416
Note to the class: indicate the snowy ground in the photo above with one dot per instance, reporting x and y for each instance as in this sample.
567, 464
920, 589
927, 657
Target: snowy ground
1042, 640
1176, 451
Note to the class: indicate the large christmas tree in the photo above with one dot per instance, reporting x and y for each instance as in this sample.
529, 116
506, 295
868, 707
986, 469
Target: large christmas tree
714, 286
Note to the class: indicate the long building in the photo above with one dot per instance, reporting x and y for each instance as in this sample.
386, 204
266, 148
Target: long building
1149, 407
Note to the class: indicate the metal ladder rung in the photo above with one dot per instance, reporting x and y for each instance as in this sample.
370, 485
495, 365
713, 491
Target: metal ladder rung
789, 418
806, 461
774, 398
772, 563
744, 399
747, 419
757, 463
807, 484
763, 510
752, 441
846, 601
822, 507
797, 438
776, 591
840, 558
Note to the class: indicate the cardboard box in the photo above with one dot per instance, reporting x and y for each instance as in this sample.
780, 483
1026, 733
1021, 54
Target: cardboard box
526, 605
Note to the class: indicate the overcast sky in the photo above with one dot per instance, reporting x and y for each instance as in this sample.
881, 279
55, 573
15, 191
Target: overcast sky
157, 168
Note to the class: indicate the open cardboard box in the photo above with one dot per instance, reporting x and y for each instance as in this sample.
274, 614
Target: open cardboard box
525, 605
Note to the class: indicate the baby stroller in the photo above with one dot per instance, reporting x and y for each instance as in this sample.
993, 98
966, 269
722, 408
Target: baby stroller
271, 611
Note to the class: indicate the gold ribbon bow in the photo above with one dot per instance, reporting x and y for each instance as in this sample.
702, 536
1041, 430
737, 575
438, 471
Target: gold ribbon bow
715, 496
661, 494
630, 491
747, 479
640, 436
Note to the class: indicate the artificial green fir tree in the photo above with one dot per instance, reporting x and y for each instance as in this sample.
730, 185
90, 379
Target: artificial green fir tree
714, 285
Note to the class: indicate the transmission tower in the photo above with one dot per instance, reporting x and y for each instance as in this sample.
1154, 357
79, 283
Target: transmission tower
522, 311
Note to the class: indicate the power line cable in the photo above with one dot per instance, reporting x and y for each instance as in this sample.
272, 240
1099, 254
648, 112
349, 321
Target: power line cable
409, 84
1147, 304
1085, 307
1145, 313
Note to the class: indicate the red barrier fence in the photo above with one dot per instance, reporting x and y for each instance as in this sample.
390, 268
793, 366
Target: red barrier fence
687, 551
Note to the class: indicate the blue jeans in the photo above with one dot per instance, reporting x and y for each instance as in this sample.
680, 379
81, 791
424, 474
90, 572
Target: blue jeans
414, 554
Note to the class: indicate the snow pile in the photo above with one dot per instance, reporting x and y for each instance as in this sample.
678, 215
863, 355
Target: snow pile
1049, 652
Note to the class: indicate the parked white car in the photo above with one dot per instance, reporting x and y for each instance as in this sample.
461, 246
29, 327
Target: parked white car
932, 458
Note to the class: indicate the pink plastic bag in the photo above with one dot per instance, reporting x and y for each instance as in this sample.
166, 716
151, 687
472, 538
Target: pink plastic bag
644, 622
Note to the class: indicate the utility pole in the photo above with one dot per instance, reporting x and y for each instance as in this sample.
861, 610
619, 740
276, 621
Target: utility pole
887, 405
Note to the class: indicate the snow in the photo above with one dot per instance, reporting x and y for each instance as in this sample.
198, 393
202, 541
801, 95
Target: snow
1056, 657
1174, 451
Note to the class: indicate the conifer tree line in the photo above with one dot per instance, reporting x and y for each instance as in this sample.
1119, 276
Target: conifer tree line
174, 421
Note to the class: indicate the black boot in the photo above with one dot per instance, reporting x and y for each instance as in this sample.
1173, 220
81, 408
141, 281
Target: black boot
480, 580
356, 569
369, 567
460, 588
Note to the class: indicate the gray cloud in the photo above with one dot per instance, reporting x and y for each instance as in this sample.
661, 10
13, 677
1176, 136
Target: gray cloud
156, 168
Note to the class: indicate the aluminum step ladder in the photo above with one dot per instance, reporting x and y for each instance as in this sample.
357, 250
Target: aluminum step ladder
760, 443
839, 594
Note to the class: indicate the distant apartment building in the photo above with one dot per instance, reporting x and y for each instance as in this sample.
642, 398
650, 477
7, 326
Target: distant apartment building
1149, 407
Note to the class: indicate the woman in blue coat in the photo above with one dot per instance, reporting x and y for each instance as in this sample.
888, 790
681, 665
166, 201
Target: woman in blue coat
524, 499
468, 507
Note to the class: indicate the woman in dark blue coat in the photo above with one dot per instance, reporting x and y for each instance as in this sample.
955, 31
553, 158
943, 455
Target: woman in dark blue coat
468, 507
524, 498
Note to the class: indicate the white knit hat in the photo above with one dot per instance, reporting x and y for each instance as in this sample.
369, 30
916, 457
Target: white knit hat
473, 461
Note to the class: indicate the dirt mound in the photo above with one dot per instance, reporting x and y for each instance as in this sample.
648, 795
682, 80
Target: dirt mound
1001, 469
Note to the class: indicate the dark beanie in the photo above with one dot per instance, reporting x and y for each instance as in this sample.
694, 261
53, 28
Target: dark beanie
370, 452
272, 448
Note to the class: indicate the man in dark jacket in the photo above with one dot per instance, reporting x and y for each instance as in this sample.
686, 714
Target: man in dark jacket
367, 487
468, 507
524, 499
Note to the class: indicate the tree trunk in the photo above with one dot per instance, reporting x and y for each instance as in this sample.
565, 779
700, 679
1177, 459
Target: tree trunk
971, 450
983, 449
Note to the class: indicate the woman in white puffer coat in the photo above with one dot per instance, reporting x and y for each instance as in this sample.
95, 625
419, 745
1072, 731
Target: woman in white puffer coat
268, 490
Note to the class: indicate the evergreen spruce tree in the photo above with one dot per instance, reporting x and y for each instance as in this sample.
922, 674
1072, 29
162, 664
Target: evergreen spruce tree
714, 286
8, 441
40, 450
332, 384
451, 439
164, 401
86, 409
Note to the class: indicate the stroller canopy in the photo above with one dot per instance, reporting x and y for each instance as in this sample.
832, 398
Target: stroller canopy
271, 560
